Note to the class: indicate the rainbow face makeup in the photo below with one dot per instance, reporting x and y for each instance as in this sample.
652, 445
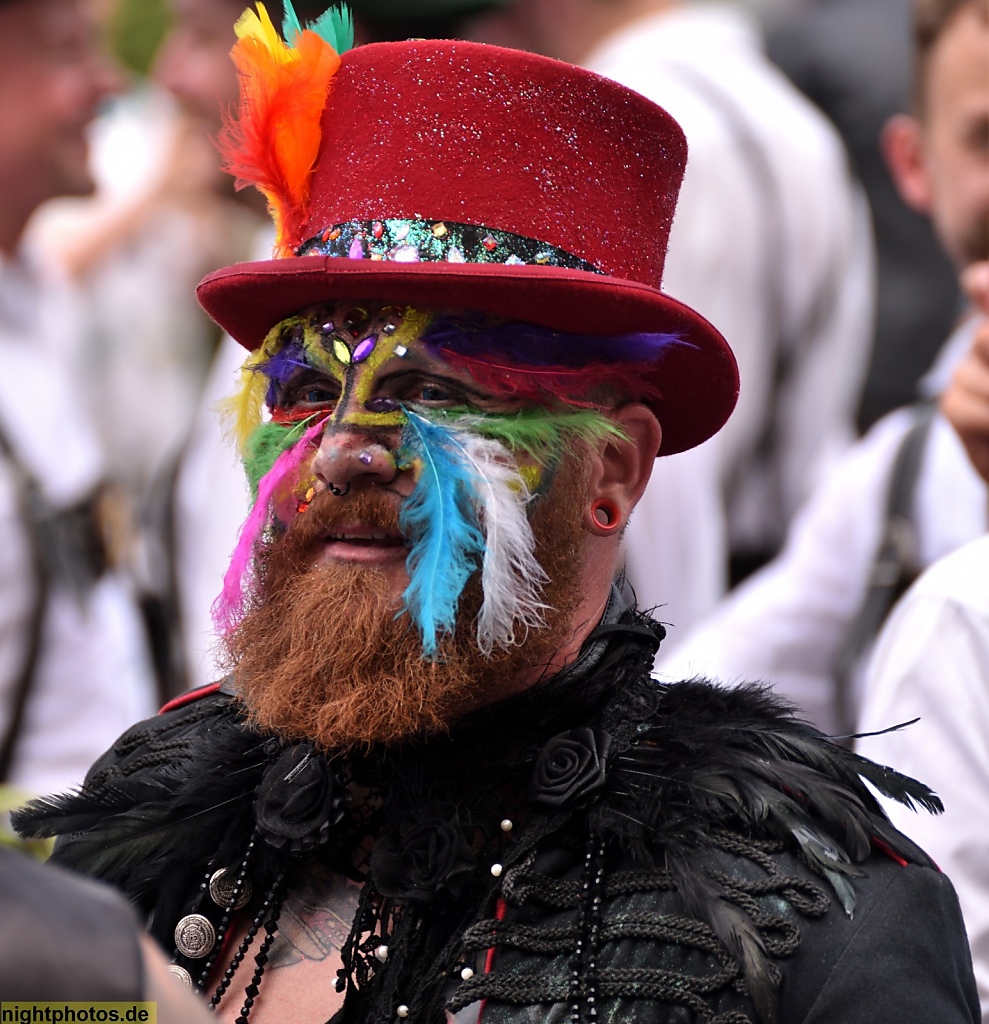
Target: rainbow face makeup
478, 451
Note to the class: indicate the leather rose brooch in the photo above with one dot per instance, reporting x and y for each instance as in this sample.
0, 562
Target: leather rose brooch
571, 767
299, 800
425, 855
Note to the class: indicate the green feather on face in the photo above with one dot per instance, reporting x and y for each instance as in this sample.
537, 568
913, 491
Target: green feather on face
539, 433
266, 442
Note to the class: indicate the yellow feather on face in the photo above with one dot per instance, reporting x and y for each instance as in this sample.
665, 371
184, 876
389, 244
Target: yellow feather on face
241, 412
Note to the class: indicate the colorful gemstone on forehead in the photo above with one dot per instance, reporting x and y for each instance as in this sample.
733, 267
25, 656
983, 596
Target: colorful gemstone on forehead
364, 348
341, 351
355, 319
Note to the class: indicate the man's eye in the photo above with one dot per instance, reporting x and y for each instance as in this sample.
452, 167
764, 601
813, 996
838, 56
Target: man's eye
436, 393
310, 393
318, 396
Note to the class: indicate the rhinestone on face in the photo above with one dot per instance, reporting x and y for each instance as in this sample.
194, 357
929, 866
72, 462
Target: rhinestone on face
355, 319
181, 975
341, 351
400, 351
195, 936
222, 882
364, 348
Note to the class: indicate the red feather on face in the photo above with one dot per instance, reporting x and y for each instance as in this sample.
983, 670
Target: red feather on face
572, 385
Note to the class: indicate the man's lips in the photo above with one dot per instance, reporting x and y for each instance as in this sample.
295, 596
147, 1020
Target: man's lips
358, 543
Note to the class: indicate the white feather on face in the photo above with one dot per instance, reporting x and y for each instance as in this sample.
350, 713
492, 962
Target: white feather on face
511, 578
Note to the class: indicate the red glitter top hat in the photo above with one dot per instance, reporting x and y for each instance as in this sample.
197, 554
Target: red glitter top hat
462, 176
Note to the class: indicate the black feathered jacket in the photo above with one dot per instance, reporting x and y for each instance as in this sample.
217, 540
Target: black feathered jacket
602, 848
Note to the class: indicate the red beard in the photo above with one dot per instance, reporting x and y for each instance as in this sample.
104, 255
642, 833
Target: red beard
324, 654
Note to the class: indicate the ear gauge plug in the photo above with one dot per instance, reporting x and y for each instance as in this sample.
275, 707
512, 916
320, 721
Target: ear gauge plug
605, 516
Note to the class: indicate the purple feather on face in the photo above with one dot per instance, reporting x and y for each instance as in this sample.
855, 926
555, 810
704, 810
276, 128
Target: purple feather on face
282, 367
525, 344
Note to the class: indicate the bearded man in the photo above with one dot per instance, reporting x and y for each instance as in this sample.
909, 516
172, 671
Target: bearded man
439, 782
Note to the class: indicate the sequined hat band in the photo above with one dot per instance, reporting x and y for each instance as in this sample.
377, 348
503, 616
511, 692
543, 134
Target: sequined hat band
415, 240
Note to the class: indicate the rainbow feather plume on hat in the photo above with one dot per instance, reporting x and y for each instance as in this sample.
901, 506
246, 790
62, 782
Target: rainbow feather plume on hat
274, 140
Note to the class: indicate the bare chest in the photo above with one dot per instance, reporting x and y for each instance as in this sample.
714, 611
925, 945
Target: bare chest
297, 984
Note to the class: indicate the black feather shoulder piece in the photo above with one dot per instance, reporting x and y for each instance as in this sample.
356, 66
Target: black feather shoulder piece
698, 755
170, 787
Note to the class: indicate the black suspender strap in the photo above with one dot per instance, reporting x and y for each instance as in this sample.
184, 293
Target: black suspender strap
28, 495
895, 565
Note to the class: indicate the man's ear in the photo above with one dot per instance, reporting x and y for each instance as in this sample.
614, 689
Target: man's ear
903, 148
621, 469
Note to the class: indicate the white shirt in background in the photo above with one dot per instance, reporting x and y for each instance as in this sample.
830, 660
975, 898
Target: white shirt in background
931, 662
92, 679
786, 624
771, 242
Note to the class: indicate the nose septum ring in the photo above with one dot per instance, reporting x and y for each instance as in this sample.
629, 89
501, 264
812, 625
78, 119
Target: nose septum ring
339, 492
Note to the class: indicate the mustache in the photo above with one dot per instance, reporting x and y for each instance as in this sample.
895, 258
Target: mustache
376, 509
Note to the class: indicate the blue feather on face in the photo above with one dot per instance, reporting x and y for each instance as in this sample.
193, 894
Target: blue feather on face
440, 520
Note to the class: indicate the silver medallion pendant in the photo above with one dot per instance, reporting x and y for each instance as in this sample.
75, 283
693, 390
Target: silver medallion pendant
222, 885
181, 975
195, 936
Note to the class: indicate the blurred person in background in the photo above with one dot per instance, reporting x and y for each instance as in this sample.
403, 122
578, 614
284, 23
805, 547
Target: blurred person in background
163, 215
771, 239
907, 494
66, 938
853, 58
932, 663
73, 666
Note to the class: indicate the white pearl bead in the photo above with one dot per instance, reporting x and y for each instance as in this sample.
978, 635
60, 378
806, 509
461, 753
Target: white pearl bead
402, 1011
466, 974
381, 953
507, 825
496, 870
